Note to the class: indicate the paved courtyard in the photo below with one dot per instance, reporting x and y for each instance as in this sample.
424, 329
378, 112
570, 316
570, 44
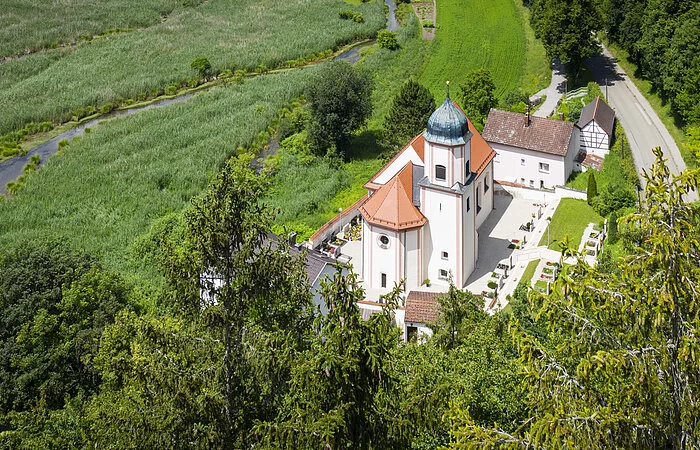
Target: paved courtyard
495, 235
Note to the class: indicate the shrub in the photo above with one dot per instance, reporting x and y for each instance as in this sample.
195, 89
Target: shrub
171, 89
428, 24
349, 14
615, 197
592, 191
387, 39
201, 65
492, 285
63, 143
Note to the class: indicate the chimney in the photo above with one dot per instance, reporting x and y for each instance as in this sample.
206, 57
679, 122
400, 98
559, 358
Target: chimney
561, 116
527, 116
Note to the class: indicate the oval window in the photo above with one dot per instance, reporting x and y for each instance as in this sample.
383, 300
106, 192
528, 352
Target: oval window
383, 241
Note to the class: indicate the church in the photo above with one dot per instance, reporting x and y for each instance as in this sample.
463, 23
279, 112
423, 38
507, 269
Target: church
424, 207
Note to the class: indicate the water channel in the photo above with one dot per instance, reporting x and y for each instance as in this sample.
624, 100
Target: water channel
11, 169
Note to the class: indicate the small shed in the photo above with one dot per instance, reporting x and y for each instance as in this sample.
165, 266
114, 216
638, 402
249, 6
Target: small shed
421, 310
597, 124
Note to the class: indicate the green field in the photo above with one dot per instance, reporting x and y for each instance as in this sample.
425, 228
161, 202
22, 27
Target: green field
230, 33
472, 34
36, 24
307, 204
104, 190
571, 218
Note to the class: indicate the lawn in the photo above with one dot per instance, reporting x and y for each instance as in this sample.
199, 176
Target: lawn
232, 34
36, 24
472, 34
618, 167
529, 272
571, 218
107, 188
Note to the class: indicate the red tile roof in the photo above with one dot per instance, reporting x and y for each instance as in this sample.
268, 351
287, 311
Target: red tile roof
422, 306
418, 144
542, 135
391, 206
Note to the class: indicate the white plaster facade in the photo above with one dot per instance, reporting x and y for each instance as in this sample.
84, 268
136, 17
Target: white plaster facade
594, 140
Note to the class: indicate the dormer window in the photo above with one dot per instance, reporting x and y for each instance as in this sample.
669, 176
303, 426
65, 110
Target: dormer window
440, 173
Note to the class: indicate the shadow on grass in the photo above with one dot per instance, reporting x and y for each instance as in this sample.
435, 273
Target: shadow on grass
365, 146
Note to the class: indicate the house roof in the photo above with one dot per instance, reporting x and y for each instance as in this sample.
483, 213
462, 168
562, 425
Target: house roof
542, 135
422, 306
599, 111
391, 206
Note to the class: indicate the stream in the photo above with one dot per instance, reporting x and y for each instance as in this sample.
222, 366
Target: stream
11, 169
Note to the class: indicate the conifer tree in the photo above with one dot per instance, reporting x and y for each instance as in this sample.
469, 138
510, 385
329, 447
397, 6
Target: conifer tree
592, 190
409, 114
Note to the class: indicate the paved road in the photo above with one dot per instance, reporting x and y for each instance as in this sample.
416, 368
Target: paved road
642, 125
553, 92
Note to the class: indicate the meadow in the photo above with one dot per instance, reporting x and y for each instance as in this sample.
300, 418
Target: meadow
491, 34
232, 34
107, 187
306, 204
36, 24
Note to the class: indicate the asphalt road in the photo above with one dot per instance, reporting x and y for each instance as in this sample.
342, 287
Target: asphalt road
642, 125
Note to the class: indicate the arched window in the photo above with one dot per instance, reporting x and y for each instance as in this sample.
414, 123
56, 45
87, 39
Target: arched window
440, 173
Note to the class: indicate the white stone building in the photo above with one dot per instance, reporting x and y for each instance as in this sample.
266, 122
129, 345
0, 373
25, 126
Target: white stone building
531, 151
424, 207
597, 124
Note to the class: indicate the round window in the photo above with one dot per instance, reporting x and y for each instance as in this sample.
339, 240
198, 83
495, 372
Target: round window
383, 241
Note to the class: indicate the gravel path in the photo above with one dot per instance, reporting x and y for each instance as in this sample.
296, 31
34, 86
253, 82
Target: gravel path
553, 92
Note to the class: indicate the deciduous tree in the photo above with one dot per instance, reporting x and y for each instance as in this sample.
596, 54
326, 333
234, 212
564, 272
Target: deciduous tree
477, 96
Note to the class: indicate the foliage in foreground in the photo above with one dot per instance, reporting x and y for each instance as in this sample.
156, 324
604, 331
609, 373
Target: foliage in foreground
619, 366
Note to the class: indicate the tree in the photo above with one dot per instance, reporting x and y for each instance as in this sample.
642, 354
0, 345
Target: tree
234, 318
341, 102
201, 65
567, 29
620, 365
409, 114
592, 190
612, 228
54, 303
343, 386
476, 95
614, 197
387, 39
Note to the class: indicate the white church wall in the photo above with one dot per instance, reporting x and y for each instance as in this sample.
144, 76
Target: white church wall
399, 163
383, 267
482, 182
413, 261
442, 211
453, 161
470, 241
523, 166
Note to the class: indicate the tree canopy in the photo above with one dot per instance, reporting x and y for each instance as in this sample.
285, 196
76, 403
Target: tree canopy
341, 102
567, 28
410, 110
477, 96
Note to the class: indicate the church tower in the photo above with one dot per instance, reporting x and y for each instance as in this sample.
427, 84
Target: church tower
450, 238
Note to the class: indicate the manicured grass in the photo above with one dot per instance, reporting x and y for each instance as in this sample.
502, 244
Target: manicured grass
105, 189
663, 109
472, 34
571, 218
618, 167
34, 24
529, 272
230, 33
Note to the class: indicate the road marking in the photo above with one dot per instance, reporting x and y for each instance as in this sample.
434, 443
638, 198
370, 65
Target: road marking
644, 114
